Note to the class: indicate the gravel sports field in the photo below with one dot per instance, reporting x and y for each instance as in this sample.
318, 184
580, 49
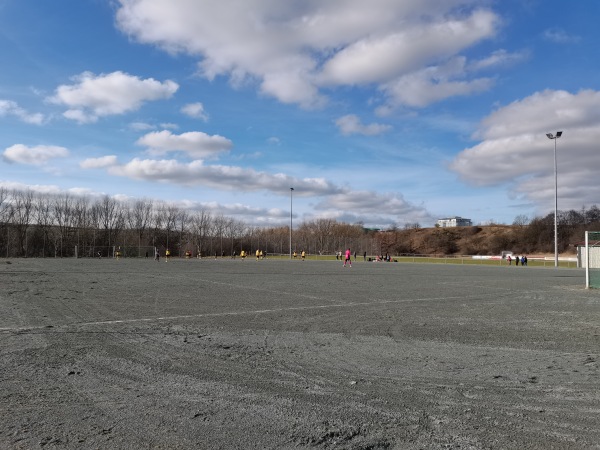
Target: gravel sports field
279, 354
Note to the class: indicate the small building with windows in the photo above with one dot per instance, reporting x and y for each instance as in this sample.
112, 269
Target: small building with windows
454, 222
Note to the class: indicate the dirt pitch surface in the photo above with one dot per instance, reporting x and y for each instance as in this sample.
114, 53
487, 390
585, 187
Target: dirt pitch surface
274, 354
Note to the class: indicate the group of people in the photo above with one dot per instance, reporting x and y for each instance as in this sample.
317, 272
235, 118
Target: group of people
517, 259
157, 255
302, 255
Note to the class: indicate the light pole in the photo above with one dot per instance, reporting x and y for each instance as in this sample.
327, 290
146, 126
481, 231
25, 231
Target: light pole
291, 192
554, 138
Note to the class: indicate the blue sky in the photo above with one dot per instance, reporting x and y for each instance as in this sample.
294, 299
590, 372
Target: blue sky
384, 112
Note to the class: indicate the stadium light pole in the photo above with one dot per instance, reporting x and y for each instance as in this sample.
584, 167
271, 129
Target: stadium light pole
554, 138
291, 192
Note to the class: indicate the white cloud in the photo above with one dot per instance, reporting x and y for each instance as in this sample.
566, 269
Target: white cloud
94, 96
98, 163
560, 36
433, 84
36, 155
383, 58
500, 58
240, 210
293, 50
39, 188
365, 203
228, 178
351, 124
10, 108
195, 110
515, 150
365, 206
195, 143
141, 126
542, 112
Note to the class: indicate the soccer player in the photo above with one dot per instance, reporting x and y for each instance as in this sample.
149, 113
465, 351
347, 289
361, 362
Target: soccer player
348, 258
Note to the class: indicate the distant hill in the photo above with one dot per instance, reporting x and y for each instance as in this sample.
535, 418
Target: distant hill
475, 240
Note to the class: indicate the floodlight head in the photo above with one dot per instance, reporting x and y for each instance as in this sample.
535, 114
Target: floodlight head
558, 134
549, 135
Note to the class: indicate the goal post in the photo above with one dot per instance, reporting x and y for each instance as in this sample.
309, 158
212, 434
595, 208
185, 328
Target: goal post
591, 259
112, 251
143, 251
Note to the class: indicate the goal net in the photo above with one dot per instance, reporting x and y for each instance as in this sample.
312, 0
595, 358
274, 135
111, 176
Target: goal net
591, 259
113, 251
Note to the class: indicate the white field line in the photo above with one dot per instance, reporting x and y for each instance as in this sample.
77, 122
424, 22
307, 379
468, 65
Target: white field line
239, 313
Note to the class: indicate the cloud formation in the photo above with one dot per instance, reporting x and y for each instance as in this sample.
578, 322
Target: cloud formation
196, 144
37, 155
10, 108
294, 51
93, 96
336, 201
514, 149
99, 163
195, 110
351, 124
560, 36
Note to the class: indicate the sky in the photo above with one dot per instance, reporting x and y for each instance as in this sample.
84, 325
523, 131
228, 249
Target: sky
380, 112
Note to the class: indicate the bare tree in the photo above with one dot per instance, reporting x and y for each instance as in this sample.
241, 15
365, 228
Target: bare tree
6, 212
63, 218
4, 205
201, 223
233, 230
171, 213
81, 211
112, 220
521, 220
156, 224
21, 217
218, 227
43, 218
139, 217
182, 222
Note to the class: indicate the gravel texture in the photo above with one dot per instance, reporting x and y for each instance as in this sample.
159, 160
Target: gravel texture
278, 354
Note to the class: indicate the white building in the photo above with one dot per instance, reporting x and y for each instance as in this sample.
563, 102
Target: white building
454, 222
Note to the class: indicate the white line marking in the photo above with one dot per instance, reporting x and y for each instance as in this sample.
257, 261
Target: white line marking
237, 313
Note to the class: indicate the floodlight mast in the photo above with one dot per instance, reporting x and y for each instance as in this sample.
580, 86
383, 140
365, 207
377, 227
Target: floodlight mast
554, 138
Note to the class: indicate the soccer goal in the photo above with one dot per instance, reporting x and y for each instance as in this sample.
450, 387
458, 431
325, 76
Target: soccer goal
591, 259
144, 251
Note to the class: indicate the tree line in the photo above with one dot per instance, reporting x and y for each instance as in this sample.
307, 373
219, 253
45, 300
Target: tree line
64, 225
36, 224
